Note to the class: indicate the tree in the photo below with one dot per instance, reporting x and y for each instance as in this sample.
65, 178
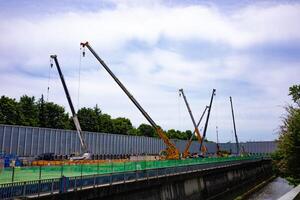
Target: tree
172, 134
8, 110
287, 156
89, 119
295, 93
121, 125
41, 112
188, 134
55, 116
106, 123
28, 111
135, 132
146, 130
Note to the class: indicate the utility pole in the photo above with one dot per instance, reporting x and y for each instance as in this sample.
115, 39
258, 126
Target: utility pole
234, 128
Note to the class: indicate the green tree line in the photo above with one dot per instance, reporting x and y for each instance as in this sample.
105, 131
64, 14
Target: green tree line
28, 111
287, 157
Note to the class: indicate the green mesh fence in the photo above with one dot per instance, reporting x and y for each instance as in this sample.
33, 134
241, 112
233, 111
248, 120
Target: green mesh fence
9, 175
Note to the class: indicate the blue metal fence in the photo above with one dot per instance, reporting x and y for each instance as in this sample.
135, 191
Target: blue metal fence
32, 141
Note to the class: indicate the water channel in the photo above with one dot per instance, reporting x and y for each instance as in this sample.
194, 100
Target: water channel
273, 190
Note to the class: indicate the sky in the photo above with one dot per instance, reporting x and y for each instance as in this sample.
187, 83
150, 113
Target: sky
245, 49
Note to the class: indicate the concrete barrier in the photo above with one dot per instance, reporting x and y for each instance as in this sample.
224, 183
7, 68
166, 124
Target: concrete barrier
294, 194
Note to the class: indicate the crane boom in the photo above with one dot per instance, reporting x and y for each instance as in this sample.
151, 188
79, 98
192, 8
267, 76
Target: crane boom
186, 150
208, 114
171, 151
194, 123
74, 115
234, 128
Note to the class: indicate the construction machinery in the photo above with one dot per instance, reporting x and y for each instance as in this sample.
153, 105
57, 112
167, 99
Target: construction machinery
86, 154
234, 128
171, 152
207, 117
203, 150
220, 153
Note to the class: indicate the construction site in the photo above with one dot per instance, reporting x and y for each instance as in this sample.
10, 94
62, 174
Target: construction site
31, 154
152, 100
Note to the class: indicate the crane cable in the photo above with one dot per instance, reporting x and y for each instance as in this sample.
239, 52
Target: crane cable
179, 112
49, 78
79, 77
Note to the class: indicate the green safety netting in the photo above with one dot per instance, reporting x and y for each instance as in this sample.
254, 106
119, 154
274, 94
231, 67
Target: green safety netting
7, 175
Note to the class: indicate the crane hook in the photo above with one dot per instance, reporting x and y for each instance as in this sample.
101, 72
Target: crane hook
83, 52
51, 62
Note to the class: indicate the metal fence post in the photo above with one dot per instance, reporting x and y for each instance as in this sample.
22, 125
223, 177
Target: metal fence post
81, 176
40, 175
111, 171
136, 176
61, 170
13, 175
124, 171
94, 180
52, 186
24, 189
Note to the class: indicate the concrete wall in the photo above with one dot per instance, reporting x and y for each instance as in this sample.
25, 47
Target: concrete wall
225, 182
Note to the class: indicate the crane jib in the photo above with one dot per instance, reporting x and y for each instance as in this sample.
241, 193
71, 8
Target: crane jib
208, 114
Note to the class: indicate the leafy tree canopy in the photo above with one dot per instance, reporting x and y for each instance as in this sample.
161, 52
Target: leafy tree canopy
122, 125
146, 130
287, 156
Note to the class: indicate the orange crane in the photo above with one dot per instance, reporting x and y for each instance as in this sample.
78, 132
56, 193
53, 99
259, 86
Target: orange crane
171, 152
203, 150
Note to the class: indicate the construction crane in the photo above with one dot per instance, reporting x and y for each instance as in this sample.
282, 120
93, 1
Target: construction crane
234, 128
86, 154
171, 152
186, 152
207, 117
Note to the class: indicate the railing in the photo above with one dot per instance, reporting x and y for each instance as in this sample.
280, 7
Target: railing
139, 172
21, 174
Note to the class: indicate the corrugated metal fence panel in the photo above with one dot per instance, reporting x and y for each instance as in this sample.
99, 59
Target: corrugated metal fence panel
31, 141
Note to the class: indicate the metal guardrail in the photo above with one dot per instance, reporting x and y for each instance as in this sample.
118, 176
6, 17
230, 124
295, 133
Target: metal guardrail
67, 184
30, 173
